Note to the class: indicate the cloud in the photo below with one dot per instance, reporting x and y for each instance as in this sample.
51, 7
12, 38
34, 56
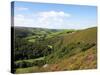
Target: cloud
54, 14
21, 8
50, 19
20, 16
21, 20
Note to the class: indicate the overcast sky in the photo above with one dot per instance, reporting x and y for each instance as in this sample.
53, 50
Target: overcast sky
54, 16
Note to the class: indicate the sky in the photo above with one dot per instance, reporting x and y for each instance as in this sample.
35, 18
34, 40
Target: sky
54, 16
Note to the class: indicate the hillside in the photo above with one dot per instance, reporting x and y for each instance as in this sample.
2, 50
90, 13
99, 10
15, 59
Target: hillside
55, 50
74, 43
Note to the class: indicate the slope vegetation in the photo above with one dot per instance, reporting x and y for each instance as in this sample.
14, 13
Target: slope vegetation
58, 50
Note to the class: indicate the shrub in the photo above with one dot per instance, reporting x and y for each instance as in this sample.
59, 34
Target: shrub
87, 46
24, 64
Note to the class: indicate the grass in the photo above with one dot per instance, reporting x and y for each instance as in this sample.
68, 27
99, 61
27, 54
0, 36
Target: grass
31, 60
62, 32
31, 40
26, 70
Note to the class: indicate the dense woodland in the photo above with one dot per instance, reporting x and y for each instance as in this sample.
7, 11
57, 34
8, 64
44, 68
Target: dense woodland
35, 48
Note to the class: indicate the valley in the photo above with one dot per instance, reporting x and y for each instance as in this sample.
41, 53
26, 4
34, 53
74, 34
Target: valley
47, 50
